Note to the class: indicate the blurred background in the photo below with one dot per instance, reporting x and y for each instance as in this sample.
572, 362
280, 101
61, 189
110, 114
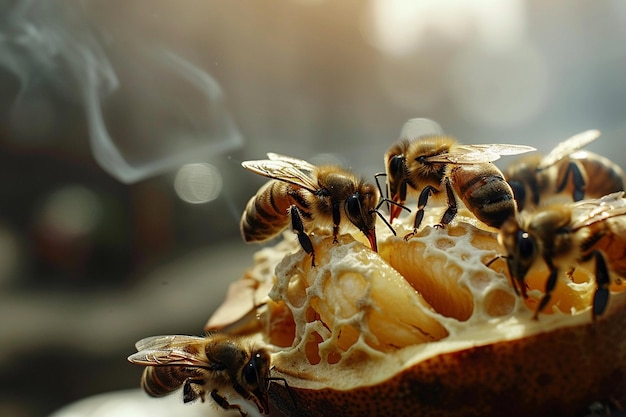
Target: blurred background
123, 125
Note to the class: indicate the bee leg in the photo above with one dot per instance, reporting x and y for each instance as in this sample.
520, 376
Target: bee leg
303, 238
578, 180
452, 209
421, 203
601, 296
550, 284
400, 198
223, 402
336, 220
514, 281
190, 393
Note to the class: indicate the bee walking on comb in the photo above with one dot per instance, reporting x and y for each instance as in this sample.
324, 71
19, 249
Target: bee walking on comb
435, 165
215, 364
300, 194
565, 236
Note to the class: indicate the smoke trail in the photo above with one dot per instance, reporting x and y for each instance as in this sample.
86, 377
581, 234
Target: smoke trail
159, 147
51, 42
148, 109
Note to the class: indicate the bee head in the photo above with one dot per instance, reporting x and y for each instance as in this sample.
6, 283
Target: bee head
255, 377
523, 256
360, 209
522, 250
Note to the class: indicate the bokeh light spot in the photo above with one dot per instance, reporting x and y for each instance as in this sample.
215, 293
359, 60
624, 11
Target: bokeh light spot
198, 183
72, 210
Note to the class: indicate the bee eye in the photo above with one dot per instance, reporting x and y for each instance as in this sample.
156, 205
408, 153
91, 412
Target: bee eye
397, 166
250, 374
353, 205
526, 247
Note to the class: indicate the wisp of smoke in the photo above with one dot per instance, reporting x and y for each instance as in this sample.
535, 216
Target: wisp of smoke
149, 110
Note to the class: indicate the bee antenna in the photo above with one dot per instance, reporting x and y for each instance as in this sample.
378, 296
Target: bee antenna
488, 264
380, 189
388, 201
289, 390
385, 220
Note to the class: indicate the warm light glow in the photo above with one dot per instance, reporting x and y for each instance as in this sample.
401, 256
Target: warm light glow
499, 88
475, 56
399, 27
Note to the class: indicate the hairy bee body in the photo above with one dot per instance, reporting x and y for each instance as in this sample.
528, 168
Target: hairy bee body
432, 164
159, 381
603, 175
564, 236
213, 364
484, 191
566, 173
267, 213
303, 194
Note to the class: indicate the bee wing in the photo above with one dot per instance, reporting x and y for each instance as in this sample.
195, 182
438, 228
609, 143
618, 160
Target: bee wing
157, 342
567, 147
301, 164
164, 357
479, 154
167, 350
588, 212
291, 170
505, 149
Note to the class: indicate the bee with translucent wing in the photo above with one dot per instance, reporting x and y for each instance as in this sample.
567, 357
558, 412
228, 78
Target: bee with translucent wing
432, 164
565, 235
582, 174
301, 193
216, 363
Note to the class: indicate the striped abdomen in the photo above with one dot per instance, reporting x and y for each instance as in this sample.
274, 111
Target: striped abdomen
603, 176
158, 381
267, 213
484, 191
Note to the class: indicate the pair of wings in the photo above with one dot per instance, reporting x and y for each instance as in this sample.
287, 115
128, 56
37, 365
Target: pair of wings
460, 154
473, 154
301, 173
587, 212
478, 154
568, 147
285, 168
168, 350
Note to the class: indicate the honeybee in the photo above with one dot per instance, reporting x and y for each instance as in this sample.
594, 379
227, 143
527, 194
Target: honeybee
217, 362
535, 179
304, 193
434, 163
565, 235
